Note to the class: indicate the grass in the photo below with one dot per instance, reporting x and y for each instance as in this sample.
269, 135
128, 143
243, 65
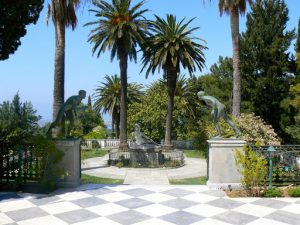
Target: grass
190, 181
87, 179
194, 154
86, 154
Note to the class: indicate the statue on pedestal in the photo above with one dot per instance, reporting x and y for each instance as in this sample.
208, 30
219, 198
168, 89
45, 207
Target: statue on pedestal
68, 110
218, 111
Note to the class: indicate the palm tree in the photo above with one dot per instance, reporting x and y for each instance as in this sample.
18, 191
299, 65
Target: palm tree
170, 47
119, 28
234, 8
108, 97
63, 15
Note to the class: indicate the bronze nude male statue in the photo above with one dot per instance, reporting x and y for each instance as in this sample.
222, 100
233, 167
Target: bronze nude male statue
218, 111
68, 110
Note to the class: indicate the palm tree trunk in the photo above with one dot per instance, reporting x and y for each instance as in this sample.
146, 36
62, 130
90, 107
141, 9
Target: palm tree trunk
113, 121
171, 85
118, 125
59, 73
234, 25
123, 108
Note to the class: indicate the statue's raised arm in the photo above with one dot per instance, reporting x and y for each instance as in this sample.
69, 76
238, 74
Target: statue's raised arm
218, 110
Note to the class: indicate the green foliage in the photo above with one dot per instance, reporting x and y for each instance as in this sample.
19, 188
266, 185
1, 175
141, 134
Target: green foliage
195, 154
297, 49
87, 154
108, 98
97, 133
18, 121
265, 60
253, 169
88, 179
294, 101
273, 192
49, 156
294, 191
14, 17
190, 181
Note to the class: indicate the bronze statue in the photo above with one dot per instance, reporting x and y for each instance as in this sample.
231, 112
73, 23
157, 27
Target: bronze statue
218, 111
68, 110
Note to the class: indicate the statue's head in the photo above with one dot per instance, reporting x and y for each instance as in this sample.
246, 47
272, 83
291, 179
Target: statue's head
137, 127
82, 94
200, 94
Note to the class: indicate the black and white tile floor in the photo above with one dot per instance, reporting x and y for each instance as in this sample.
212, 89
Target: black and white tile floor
145, 205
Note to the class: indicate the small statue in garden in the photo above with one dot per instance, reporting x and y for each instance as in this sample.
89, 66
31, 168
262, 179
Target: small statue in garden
68, 110
141, 138
218, 111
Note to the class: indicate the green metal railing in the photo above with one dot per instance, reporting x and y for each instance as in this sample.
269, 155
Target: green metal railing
283, 162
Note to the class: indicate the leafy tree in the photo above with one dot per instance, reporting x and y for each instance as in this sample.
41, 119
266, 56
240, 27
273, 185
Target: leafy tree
14, 16
218, 82
265, 59
63, 16
119, 28
297, 48
294, 129
18, 121
234, 8
169, 47
108, 97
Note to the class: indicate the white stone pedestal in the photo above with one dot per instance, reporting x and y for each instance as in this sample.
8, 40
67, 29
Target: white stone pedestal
222, 170
70, 163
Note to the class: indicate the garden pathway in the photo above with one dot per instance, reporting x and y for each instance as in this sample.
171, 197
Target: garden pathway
98, 167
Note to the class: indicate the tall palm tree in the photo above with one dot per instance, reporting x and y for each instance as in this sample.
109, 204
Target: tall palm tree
170, 47
119, 28
234, 8
108, 97
63, 15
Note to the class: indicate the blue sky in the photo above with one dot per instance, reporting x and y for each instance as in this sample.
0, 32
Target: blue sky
30, 70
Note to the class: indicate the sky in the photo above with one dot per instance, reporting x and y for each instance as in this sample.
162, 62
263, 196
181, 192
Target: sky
30, 70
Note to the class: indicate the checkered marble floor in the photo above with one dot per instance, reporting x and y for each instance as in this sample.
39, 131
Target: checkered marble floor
144, 205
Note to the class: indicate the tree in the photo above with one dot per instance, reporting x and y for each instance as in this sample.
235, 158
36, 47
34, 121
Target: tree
63, 16
170, 47
18, 121
14, 17
265, 59
234, 8
108, 97
120, 29
297, 49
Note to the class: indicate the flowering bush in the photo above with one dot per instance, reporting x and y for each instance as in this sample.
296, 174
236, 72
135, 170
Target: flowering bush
254, 130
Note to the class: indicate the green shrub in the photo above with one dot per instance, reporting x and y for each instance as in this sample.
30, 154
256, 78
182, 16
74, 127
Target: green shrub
294, 192
273, 192
253, 169
97, 133
253, 128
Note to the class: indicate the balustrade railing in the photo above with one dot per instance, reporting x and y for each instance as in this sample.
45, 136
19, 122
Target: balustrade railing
17, 162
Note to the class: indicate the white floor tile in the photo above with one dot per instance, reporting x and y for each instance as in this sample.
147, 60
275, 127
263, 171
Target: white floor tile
205, 210
156, 210
15, 205
114, 197
74, 195
200, 198
157, 197
4, 219
154, 221
254, 210
45, 220
293, 208
107, 209
209, 221
263, 221
98, 221
59, 207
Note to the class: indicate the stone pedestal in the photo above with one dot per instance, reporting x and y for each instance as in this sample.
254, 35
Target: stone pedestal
71, 162
222, 170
